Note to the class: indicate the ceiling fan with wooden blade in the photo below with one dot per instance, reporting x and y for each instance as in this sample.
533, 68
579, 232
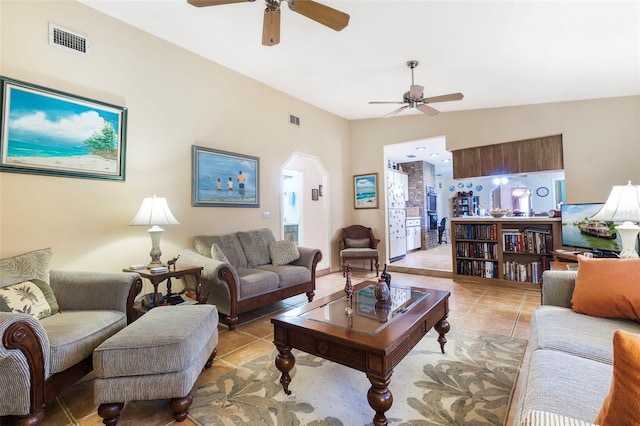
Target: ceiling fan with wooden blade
320, 13
414, 98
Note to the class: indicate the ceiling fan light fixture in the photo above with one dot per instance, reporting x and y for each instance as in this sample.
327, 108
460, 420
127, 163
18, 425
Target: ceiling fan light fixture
414, 98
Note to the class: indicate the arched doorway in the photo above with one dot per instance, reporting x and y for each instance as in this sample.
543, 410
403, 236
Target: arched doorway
303, 216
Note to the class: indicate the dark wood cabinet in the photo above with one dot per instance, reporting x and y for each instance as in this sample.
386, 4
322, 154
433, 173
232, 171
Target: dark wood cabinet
532, 155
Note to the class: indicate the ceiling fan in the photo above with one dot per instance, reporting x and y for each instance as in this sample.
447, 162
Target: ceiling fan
414, 98
320, 13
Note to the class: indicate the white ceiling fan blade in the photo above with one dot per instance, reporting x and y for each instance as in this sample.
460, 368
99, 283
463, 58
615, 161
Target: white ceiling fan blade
392, 113
444, 98
385, 102
427, 109
415, 92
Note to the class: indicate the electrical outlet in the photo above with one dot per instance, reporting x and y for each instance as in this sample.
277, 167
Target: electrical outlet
265, 214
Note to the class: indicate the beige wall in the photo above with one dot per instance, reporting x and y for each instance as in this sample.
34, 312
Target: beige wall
601, 141
175, 99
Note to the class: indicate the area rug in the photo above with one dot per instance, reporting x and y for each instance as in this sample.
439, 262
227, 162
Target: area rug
471, 384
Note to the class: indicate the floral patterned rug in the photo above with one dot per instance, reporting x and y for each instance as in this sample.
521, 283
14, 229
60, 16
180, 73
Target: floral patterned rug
472, 384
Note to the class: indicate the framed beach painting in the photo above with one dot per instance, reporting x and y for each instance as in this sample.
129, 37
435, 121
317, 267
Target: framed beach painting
365, 188
48, 132
224, 179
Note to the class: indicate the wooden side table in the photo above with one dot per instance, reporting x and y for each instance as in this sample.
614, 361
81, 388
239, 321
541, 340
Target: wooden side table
157, 277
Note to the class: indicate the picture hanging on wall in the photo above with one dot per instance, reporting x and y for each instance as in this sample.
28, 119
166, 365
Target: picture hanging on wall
365, 188
48, 132
224, 179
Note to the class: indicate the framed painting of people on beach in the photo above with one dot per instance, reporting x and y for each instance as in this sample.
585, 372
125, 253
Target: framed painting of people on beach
48, 132
365, 189
224, 179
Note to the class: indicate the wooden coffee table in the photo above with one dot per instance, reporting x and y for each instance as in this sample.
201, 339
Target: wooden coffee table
374, 339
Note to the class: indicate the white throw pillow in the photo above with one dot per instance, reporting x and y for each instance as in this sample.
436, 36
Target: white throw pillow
218, 254
283, 252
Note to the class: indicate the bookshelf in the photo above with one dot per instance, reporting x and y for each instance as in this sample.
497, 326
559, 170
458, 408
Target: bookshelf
464, 206
507, 252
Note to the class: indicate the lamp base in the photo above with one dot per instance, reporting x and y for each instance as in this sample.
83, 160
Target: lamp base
628, 234
155, 232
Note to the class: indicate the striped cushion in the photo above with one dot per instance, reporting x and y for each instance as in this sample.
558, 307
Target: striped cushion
544, 418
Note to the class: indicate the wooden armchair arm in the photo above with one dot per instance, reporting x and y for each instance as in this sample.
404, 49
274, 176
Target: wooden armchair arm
25, 334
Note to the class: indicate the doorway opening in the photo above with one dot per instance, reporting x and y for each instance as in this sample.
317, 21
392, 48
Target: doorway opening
304, 216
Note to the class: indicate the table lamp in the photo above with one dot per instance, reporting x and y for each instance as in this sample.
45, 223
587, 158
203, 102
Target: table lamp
623, 205
153, 212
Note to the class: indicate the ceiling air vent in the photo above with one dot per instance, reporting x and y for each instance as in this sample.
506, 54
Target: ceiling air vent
294, 120
68, 40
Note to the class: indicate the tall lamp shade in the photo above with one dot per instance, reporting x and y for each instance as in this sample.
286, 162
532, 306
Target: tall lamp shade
623, 205
153, 212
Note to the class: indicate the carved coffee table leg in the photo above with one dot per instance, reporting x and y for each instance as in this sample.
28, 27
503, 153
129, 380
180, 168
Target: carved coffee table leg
442, 327
284, 363
380, 397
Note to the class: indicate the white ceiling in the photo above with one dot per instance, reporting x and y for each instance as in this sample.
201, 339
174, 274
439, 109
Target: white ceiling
497, 53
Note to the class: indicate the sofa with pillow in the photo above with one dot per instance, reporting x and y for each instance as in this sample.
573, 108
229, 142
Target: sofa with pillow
250, 269
50, 323
584, 365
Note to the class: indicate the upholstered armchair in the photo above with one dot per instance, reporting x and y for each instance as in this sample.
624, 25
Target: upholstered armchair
358, 243
50, 323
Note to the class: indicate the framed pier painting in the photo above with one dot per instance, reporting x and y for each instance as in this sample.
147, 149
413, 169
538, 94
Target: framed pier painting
224, 179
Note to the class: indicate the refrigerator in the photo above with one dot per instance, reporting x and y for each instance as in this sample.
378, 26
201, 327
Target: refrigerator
396, 198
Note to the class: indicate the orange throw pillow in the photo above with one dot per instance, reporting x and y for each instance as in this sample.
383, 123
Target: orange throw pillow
608, 288
622, 405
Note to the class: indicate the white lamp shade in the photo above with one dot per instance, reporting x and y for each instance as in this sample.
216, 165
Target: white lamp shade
154, 211
623, 205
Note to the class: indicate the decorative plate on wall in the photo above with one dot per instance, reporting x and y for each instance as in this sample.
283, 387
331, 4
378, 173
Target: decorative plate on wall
470, 185
452, 188
479, 188
543, 191
461, 185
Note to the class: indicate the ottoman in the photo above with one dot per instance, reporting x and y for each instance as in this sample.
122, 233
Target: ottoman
159, 356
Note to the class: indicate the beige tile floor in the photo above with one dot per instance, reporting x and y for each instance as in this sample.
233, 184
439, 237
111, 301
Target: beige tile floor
473, 306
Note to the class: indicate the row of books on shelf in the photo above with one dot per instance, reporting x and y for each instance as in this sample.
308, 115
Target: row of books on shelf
477, 250
477, 268
476, 231
513, 271
529, 240
524, 272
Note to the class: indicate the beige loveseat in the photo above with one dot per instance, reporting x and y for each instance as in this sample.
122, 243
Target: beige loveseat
250, 269
570, 369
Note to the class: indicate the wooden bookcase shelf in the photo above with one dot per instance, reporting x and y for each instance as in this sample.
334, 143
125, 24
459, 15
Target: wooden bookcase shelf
508, 252
464, 206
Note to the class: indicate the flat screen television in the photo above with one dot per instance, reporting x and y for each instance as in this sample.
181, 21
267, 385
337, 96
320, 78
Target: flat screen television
579, 231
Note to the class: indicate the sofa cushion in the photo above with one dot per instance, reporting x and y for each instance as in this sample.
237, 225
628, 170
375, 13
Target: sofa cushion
228, 243
256, 246
564, 384
218, 254
622, 405
545, 418
283, 252
73, 335
289, 275
608, 288
35, 264
562, 329
255, 281
33, 297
